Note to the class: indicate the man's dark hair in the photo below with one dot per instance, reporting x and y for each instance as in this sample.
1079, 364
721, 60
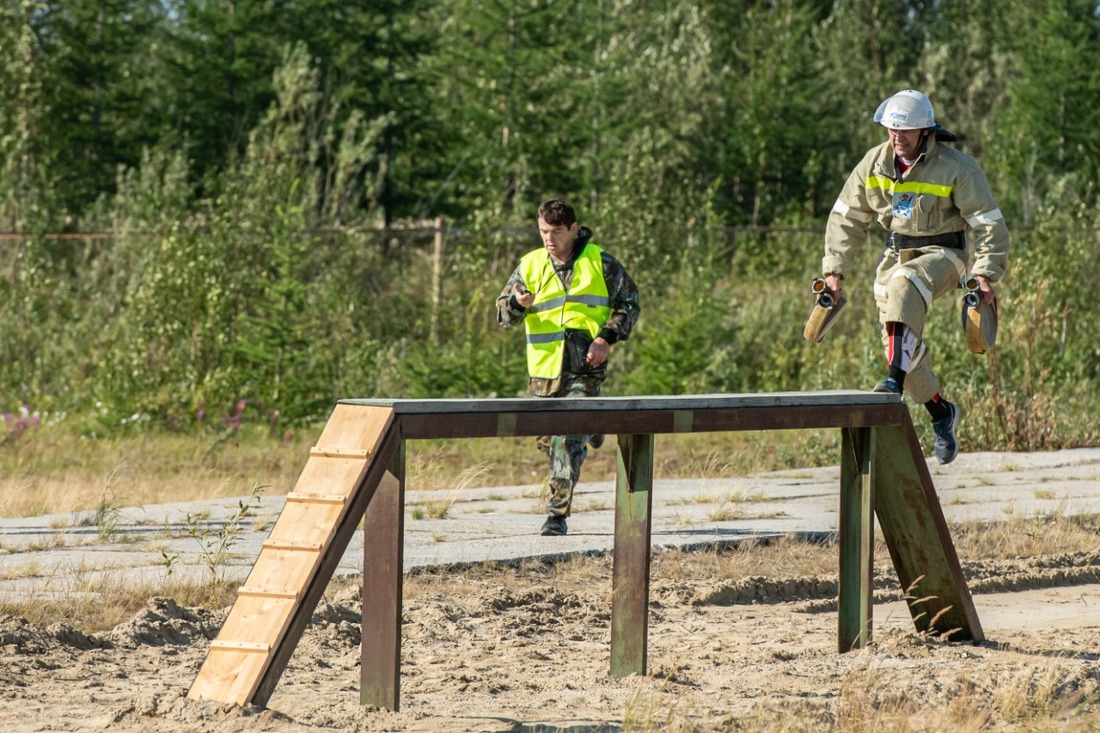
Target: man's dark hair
557, 212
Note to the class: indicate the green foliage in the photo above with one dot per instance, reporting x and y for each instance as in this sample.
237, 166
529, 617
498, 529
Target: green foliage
259, 179
688, 339
24, 201
216, 62
521, 122
105, 519
474, 365
1051, 121
770, 84
96, 73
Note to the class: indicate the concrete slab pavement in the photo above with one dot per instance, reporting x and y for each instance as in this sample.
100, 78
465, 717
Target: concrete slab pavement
66, 555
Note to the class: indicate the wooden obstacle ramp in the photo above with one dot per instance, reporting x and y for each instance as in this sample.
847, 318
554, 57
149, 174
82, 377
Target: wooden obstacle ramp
295, 562
357, 472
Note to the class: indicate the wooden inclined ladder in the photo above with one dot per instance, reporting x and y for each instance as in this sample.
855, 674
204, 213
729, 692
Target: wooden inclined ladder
289, 575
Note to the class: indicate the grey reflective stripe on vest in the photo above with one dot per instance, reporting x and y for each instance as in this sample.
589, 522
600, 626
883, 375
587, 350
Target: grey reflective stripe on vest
595, 300
547, 305
545, 338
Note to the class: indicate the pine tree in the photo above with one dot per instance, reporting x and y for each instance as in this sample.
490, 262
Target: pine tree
98, 60
1051, 125
218, 60
370, 59
22, 111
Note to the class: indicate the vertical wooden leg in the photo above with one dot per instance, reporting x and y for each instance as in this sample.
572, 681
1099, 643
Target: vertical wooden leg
857, 537
630, 587
383, 561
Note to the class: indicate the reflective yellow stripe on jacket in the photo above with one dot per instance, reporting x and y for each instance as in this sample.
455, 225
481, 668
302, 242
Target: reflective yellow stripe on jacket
917, 187
584, 307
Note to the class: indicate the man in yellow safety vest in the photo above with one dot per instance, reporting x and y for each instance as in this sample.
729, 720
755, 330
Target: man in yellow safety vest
575, 300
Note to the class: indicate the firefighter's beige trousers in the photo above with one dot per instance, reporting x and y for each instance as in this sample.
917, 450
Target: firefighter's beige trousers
906, 283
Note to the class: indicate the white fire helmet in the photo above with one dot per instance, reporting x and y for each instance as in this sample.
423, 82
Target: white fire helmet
906, 110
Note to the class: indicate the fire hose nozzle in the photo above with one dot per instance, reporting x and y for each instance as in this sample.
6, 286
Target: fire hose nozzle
825, 297
973, 295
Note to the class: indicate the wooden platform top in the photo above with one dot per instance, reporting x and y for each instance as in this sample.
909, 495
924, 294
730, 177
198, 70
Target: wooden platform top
832, 398
471, 418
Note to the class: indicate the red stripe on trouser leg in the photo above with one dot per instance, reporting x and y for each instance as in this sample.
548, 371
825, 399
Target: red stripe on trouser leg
901, 344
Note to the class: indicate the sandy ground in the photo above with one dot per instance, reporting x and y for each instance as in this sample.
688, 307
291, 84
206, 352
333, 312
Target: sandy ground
527, 649
507, 647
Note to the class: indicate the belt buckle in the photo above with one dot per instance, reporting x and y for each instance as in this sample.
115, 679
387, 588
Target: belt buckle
901, 254
893, 246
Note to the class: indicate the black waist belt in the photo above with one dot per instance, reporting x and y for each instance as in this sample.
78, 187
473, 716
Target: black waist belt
951, 240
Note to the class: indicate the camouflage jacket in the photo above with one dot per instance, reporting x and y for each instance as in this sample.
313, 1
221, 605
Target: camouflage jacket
623, 296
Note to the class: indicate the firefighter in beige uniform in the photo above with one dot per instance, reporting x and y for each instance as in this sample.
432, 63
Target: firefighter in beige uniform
929, 198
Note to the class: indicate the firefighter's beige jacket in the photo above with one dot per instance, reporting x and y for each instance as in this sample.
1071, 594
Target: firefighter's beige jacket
943, 191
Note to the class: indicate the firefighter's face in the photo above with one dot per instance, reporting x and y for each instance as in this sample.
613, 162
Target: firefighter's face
907, 143
558, 239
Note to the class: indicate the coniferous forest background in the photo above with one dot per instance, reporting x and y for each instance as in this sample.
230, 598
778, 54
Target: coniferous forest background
287, 202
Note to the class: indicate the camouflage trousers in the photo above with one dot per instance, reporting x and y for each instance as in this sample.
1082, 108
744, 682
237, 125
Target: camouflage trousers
567, 452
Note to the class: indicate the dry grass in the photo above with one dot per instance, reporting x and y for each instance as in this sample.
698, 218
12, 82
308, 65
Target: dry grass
97, 601
49, 471
1022, 537
27, 570
786, 557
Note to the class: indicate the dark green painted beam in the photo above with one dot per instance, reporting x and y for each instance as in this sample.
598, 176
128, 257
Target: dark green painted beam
383, 573
917, 537
856, 538
630, 584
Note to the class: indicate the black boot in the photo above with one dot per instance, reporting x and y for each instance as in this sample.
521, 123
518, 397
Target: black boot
554, 525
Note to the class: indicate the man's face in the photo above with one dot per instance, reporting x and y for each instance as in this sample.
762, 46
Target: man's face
558, 239
907, 143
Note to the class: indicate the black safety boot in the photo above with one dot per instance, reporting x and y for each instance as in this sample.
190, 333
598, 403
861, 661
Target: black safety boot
554, 525
945, 443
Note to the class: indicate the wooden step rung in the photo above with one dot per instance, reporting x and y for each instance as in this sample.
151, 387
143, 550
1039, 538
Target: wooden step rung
246, 590
288, 545
319, 452
316, 498
241, 646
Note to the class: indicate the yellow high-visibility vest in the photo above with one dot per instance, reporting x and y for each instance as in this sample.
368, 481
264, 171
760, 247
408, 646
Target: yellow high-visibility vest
584, 307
